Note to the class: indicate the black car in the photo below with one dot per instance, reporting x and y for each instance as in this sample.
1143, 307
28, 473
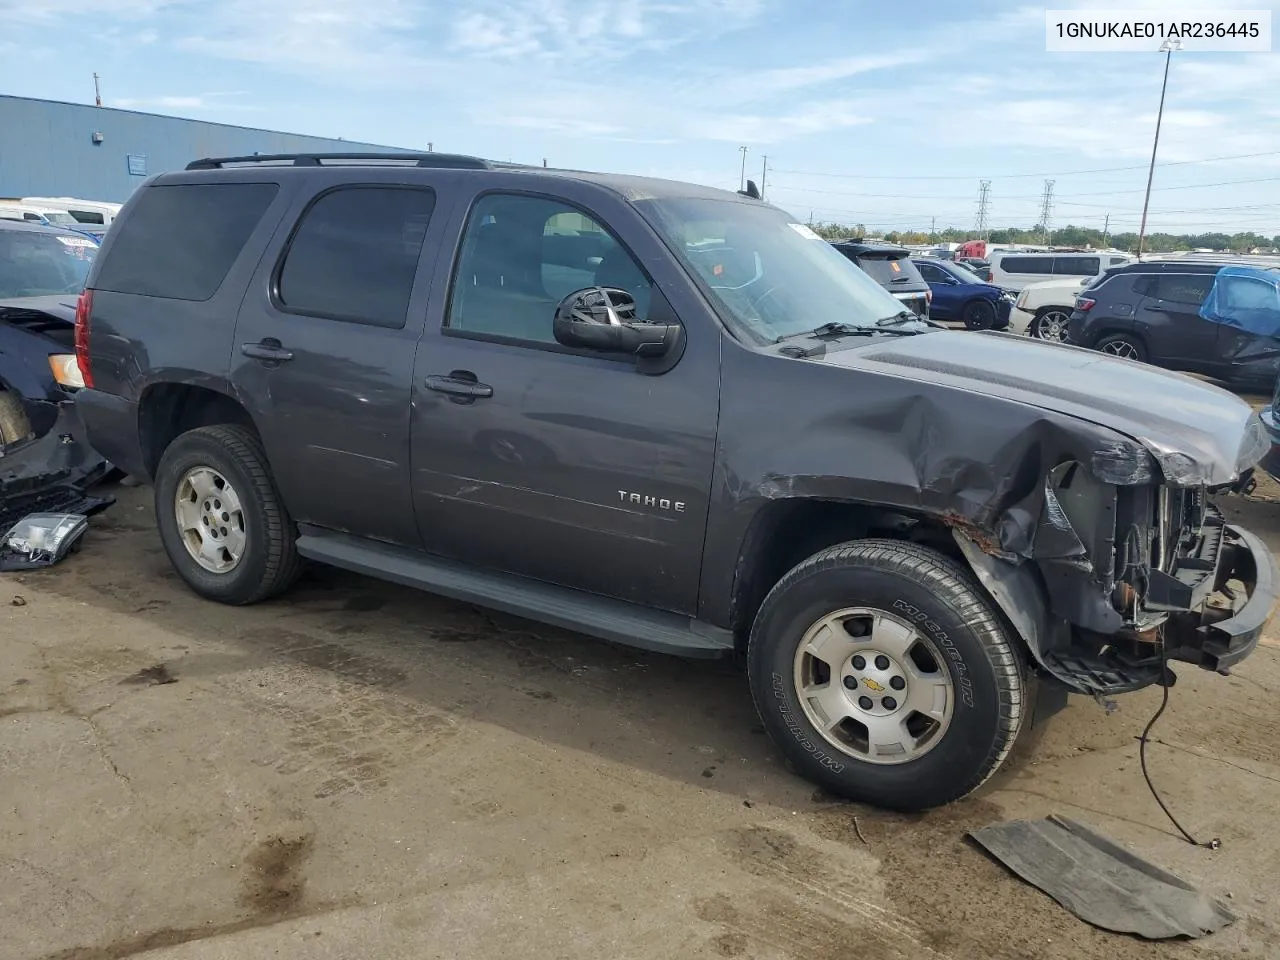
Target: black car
891, 267
1199, 316
671, 417
44, 462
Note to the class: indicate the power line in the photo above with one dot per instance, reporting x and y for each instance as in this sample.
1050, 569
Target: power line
1010, 176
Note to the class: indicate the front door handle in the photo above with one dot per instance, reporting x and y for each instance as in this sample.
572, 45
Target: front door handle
460, 383
269, 349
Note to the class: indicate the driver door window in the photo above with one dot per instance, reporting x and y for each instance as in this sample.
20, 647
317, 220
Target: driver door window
521, 256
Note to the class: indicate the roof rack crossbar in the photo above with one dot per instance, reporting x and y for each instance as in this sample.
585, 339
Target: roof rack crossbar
447, 160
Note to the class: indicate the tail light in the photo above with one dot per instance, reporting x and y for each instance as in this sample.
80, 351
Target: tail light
1085, 304
84, 312
928, 296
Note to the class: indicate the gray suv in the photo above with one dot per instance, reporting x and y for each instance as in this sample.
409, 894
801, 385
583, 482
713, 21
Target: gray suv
672, 417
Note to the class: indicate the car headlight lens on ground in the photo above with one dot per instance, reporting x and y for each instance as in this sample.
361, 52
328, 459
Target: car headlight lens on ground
66, 370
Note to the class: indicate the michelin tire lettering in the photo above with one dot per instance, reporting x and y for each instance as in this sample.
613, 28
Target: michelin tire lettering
797, 731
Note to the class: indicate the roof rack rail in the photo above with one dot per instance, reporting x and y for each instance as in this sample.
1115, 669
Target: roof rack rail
449, 160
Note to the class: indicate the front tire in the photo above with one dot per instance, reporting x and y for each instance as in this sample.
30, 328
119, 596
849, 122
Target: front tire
221, 520
979, 315
884, 675
1050, 324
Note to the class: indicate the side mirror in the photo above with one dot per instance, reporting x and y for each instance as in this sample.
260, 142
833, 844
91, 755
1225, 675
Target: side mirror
604, 319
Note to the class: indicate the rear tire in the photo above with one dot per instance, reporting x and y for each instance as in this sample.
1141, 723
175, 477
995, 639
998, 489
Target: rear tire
1123, 346
946, 696
253, 556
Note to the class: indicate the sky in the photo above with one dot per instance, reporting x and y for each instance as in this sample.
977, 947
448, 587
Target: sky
883, 113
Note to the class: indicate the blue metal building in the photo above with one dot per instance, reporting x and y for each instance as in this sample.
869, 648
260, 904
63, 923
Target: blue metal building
53, 149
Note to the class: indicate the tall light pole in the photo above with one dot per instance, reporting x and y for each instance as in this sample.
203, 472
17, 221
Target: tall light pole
742, 181
1167, 48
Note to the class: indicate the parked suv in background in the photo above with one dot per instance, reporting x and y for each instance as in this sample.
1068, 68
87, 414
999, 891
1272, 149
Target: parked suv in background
1184, 314
1014, 271
891, 267
671, 417
959, 295
1043, 310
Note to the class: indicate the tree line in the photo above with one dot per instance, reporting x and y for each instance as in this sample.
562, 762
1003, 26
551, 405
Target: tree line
1068, 236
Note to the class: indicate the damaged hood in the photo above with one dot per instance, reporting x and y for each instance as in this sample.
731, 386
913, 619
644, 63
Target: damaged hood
1198, 433
53, 316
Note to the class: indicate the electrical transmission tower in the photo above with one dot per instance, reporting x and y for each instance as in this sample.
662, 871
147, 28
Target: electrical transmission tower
1046, 211
982, 226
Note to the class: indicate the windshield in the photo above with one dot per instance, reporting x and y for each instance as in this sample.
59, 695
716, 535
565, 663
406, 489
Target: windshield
60, 218
963, 273
36, 264
772, 277
890, 270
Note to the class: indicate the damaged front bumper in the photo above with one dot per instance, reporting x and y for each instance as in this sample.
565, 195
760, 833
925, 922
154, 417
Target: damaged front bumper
52, 472
1217, 636
1208, 608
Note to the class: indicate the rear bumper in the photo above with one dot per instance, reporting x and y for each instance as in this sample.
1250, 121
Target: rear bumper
111, 425
1218, 638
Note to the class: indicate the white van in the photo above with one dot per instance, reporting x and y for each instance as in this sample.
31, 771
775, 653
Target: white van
84, 211
37, 213
1014, 270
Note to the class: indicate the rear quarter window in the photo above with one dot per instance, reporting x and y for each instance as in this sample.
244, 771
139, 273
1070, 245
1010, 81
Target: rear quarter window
180, 240
1076, 266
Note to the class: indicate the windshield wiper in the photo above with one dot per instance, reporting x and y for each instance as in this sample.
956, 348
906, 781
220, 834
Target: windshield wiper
899, 318
832, 329
835, 329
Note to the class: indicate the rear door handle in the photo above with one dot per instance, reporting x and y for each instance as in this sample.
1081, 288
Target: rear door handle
268, 349
459, 384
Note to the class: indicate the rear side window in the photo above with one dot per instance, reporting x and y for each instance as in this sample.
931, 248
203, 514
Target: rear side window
1027, 265
1076, 266
1177, 287
1116, 261
181, 240
354, 254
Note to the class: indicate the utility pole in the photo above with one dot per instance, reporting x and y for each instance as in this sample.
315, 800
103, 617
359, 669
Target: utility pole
97, 91
1167, 48
984, 203
933, 229
742, 181
1046, 210
764, 169
430, 147
1106, 229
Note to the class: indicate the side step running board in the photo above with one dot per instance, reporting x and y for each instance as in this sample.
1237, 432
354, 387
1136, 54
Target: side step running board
602, 617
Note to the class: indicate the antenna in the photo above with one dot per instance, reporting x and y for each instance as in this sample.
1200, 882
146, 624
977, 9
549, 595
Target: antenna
984, 202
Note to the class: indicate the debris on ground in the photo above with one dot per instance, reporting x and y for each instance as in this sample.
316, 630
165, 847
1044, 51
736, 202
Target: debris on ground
152, 676
41, 540
1101, 882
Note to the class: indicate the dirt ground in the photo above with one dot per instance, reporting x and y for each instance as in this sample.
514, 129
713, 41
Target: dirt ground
361, 771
